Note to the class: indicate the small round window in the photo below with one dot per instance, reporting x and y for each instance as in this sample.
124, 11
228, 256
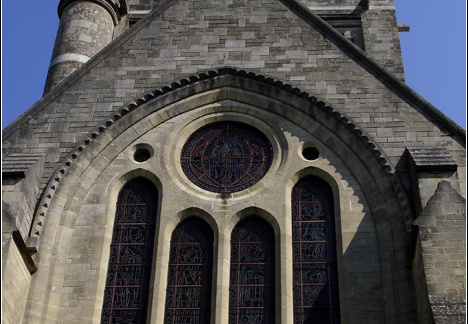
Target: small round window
142, 152
226, 157
141, 155
310, 153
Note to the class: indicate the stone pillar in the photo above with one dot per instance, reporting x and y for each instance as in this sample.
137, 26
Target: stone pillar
442, 234
85, 28
438, 261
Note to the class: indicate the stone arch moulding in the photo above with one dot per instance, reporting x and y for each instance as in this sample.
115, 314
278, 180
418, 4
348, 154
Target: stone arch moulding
368, 163
236, 84
257, 212
198, 213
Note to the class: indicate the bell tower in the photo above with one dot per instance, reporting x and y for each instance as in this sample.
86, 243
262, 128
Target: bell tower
85, 28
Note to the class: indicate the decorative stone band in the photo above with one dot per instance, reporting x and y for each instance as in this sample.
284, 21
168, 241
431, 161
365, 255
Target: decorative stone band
69, 57
199, 82
114, 9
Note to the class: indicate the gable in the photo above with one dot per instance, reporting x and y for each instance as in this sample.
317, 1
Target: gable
326, 111
80, 195
284, 40
180, 39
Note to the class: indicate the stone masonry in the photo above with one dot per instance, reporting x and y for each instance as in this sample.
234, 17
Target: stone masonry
144, 75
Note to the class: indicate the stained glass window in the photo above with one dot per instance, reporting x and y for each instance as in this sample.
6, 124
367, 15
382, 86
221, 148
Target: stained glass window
226, 157
127, 283
315, 275
188, 299
252, 288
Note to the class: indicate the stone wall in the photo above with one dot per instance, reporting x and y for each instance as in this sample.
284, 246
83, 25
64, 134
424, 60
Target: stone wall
442, 228
278, 67
16, 279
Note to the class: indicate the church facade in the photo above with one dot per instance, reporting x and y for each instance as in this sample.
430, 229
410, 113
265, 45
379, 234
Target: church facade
232, 161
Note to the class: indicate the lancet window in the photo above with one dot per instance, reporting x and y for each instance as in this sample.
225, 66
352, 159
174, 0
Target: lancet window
315, 275
188, 298
252, 288
127, 283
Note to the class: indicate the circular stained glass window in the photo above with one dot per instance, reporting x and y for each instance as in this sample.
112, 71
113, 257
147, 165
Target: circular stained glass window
226, 157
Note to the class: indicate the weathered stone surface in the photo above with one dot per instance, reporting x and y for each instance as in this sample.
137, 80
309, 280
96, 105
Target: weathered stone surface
289, 69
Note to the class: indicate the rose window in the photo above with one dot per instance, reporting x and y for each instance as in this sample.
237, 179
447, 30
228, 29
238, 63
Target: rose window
226, 157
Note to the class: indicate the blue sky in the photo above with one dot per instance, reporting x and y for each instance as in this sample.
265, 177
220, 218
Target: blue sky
434, 53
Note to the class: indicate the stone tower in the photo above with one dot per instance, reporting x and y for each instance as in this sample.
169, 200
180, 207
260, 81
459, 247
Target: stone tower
232, 161
85, 28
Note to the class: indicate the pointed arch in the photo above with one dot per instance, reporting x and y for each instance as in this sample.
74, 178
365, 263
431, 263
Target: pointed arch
188, 296
231, 84
128, 276
267, 94
364, 159
315, 277
252, 278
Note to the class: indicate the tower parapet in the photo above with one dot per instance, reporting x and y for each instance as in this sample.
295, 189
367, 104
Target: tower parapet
85, 28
